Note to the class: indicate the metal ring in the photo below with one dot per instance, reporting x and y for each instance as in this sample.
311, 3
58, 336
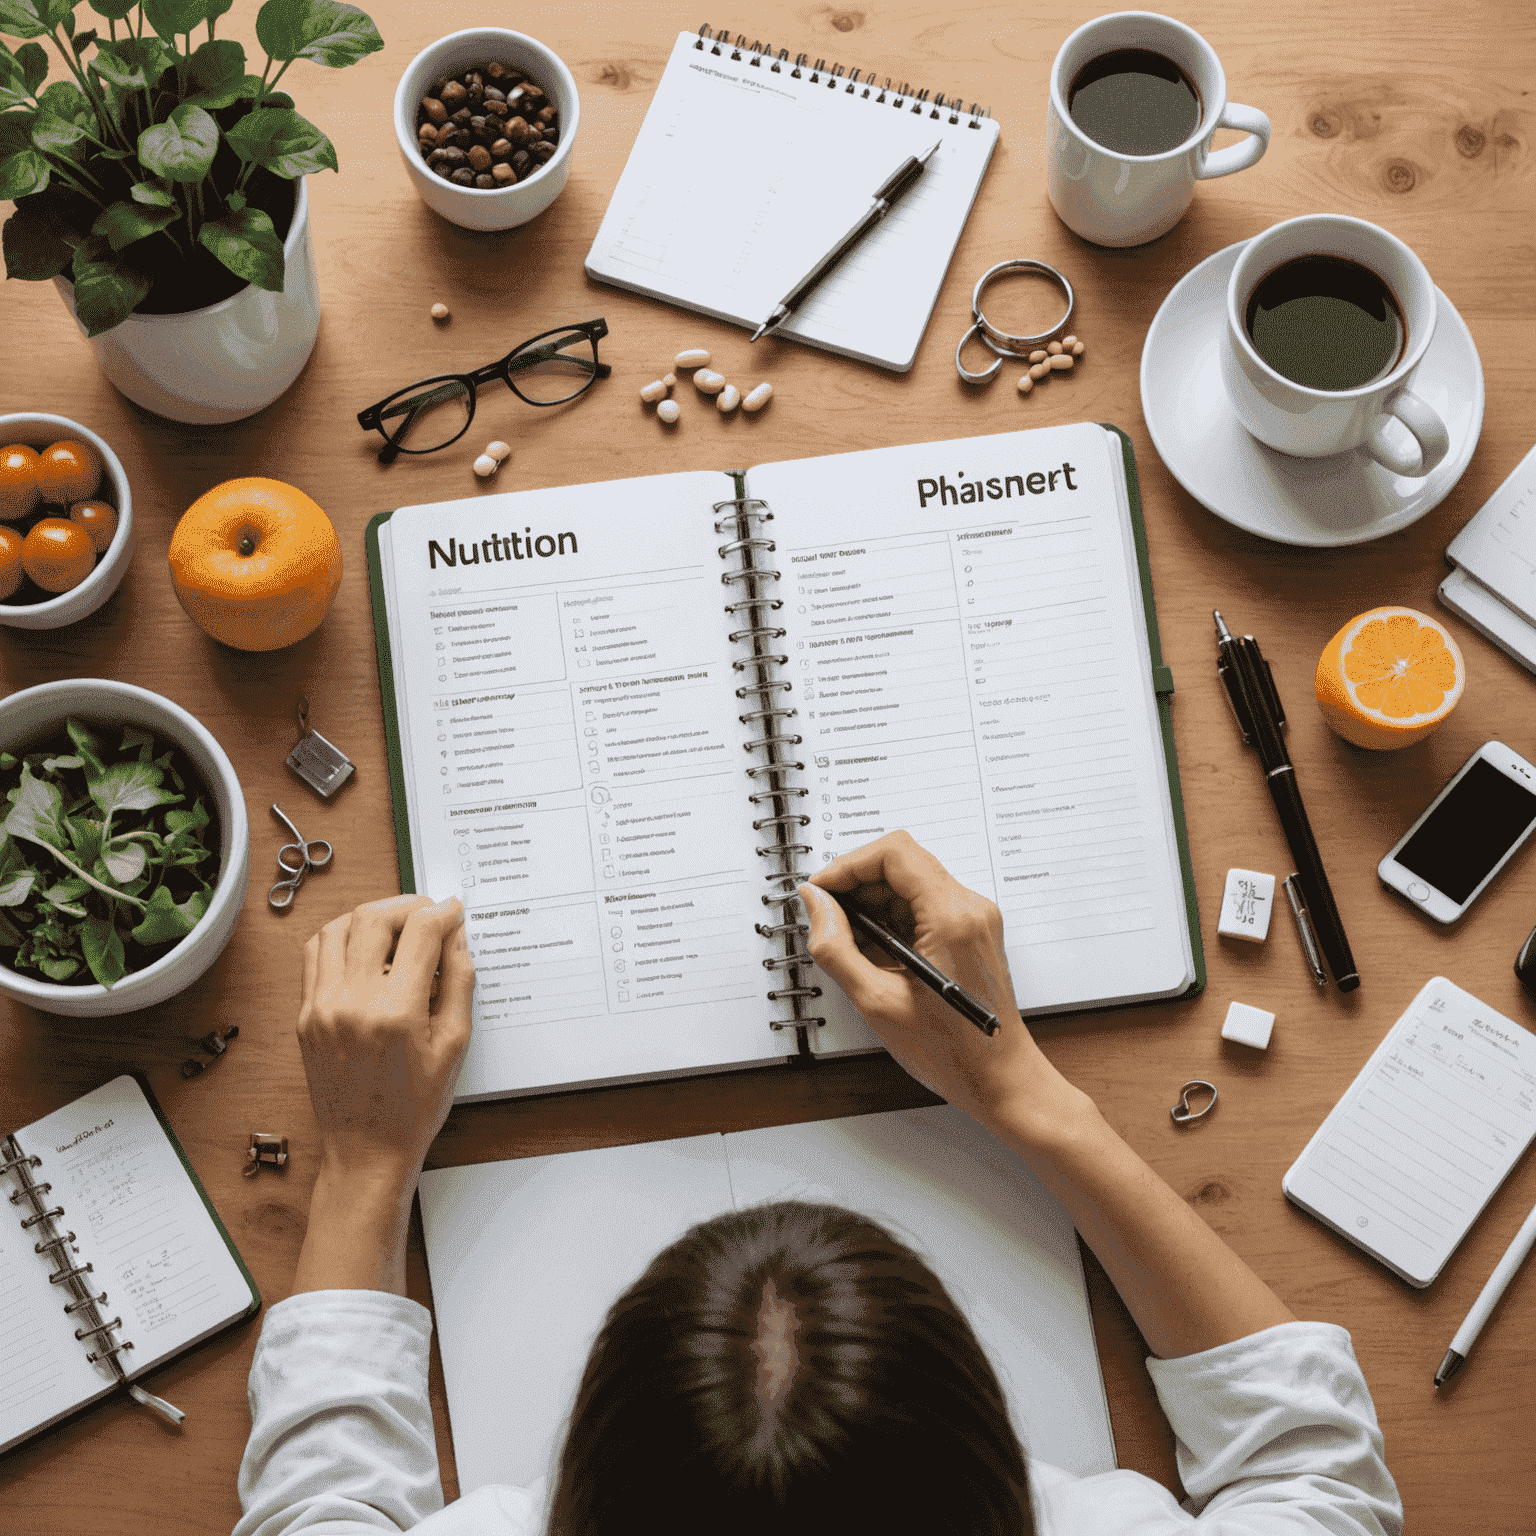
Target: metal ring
1002, 342
1182, 1113
987, 374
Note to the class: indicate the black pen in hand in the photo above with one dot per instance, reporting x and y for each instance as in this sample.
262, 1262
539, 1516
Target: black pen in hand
929, 974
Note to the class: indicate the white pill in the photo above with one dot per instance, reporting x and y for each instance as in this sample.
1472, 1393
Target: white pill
1054, 348
694, 357
439, 311
758, 398
669, 410
1039, 371
1068, 342
1025, 383
1246, 902
654, 391
498, 451
1039, 357
1077, 349
708, 382
669, 379
730, 398
485, 465
1061, 363
1248, 1026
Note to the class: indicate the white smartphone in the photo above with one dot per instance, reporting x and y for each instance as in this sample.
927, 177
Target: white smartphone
1471, 830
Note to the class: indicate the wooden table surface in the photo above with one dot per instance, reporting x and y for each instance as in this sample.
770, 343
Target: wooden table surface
1430, 133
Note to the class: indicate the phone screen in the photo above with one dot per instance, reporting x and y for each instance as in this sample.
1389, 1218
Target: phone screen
1469, 831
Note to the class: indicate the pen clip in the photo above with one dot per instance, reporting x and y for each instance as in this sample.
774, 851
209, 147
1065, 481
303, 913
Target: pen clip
1226, 670
1266, 682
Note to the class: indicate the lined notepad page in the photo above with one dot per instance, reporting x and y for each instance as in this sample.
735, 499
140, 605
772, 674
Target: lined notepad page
1498, 546
1425, 1134
742, 179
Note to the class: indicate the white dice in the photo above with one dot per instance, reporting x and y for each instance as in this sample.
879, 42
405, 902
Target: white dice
1246, 904
1248, 1026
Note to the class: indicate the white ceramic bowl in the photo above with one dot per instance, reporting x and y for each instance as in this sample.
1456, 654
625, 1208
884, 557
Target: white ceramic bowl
27, 719
40, 431
479, 207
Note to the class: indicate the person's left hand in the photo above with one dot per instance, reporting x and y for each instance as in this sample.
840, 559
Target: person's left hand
383, 1025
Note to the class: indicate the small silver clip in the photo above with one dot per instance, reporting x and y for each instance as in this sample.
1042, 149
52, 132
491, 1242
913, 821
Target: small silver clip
320, 763
1182, 1113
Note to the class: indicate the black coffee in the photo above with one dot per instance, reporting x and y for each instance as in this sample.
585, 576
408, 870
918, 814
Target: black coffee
1326, 322
1134, 102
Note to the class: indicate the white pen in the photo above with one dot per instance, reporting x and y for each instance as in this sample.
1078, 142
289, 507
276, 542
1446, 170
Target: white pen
1498, 1282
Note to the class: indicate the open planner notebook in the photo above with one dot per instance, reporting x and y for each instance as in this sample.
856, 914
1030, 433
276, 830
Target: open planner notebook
749, 168
526, 1257
625, 720
1408, 1158
110, 1254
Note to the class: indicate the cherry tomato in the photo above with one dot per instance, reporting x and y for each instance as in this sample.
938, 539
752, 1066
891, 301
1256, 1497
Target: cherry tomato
68, 472
58, 554
99, 519
11, 572
18, 481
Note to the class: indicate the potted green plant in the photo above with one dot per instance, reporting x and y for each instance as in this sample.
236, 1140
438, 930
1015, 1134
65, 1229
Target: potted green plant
161, 187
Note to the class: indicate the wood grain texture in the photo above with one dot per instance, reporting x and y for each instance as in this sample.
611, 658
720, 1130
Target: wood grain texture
1417, 116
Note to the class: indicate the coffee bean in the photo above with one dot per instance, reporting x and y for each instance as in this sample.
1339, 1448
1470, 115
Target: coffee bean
480, 158
497, 109
501, 150
461, 117
520, 163
435, 110
428, 136
517, 130
452, 95
490, 126
495, 71
442, 169
503, 175
463, 177
493, 94
485, 183
472, 79
543, 152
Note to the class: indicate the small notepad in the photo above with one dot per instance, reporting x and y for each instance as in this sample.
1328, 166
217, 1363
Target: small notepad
1425, 1134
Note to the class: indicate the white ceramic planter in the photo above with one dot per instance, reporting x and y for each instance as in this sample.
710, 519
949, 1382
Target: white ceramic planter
26, 719
224, 362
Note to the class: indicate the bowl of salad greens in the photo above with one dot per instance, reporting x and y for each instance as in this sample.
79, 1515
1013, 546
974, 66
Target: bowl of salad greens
124, 847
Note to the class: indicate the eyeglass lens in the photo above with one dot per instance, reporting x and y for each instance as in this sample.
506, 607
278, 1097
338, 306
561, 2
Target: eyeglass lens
554, 368
427, 415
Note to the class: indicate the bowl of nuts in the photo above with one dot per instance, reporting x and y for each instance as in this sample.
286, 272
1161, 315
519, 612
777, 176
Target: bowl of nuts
486, 119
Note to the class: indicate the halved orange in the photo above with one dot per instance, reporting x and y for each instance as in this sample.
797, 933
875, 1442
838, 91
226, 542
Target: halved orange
1389, 677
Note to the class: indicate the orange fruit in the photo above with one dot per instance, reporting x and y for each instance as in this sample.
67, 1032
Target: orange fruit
99, 519
11, 571
68, 472
255, 563
1389, 677
57, 554
18, 481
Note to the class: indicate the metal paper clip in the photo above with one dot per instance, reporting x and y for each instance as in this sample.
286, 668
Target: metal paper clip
320, 763
296, 859
1182, 1113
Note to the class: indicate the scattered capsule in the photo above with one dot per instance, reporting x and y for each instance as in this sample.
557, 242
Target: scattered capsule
1062, 363
485, 465
694, 357
1039, 357
498, 451
729, 398
1039, 371
1055, 348
439, 311
1077, 349
708, 382
669, 411
758, 398
1025, 383
654, 391
669, 379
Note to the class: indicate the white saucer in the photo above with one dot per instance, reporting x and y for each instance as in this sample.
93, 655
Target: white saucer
1345, 499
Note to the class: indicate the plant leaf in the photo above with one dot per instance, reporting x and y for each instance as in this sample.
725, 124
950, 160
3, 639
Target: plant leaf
133, 64
22, 169
66, 896
172, 18
164, 919
326, 31
53, 764
39, 238
113, 10
11, 937
37, 811
235, 201
83, 40
134, 737
85, 834
151, 194
58, 969
122, 224
103, 946
15, 87
125, 863
33, 18
86, 745
182, 147
107, 288
17, 888
281, 141
245, 241
218, 76
131, 787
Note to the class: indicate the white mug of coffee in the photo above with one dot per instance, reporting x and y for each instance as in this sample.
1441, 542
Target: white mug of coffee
1136, 99
1327, 318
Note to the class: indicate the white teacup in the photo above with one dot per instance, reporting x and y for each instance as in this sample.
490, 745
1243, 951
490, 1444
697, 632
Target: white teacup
1314, 423
1119, 199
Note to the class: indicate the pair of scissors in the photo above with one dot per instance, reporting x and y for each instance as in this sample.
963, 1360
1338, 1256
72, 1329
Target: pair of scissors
296, 859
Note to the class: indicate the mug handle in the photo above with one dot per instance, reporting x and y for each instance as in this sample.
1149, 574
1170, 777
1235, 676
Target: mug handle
1433, 440
1237, 157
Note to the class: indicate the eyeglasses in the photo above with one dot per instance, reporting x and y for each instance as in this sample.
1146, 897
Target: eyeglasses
548, 369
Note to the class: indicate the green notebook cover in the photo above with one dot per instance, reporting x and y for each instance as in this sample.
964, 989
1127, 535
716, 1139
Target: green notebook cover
1162, 683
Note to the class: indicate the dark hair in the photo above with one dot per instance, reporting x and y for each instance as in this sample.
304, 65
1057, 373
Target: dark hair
795, 1369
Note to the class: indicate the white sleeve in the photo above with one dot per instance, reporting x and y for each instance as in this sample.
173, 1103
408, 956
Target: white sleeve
341, 1424
1277, 1433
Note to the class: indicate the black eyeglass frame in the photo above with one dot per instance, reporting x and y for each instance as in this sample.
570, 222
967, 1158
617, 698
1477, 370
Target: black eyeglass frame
372, 419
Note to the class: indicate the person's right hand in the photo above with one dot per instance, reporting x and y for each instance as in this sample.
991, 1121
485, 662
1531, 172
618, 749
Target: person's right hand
900, 883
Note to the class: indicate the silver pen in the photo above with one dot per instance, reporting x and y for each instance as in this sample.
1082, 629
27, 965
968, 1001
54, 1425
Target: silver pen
1304, 929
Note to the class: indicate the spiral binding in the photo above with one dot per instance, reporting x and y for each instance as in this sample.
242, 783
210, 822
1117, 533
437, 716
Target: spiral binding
86, 1301
743, 518
854, 82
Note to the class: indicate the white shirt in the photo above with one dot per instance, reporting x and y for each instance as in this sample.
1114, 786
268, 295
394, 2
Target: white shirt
1277, 1436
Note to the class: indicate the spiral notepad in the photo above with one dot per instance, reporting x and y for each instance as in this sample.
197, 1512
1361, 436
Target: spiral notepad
626, 720
751, 165
117, 1262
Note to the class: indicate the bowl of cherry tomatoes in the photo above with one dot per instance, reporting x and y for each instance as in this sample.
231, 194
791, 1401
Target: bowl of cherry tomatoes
66, 521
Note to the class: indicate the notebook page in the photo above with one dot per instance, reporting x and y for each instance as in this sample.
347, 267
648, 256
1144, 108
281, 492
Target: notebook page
525, 1259
573, 763
742, 179
141, 1223
1004, 1249
1408, 1158
977, 672
1498, 545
